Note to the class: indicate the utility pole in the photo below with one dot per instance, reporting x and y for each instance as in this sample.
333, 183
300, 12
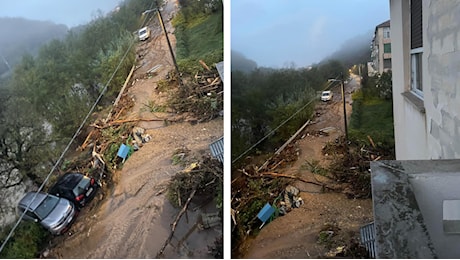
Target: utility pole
344, 111
160, 18
342, 84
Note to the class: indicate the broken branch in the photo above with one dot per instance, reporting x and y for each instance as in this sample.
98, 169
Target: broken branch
174, 224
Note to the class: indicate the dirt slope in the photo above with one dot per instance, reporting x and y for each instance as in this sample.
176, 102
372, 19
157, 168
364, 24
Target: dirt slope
295, 235
133, 220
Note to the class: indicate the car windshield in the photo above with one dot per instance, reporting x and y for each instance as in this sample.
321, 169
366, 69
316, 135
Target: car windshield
144, 31
326, 94
81, 186
46, 206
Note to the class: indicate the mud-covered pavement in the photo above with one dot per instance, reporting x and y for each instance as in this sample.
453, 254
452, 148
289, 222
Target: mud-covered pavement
295, 235
133, 219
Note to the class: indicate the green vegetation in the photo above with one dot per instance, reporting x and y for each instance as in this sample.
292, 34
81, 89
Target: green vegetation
264, 99
47, 97
373, 112
315, 168
199, 34
26, 242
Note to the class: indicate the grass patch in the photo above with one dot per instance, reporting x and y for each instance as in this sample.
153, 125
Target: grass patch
200, 38
315, 168
372, 117
153, 107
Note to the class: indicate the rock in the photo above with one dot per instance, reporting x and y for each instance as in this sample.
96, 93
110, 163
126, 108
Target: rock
292, 190
46, 253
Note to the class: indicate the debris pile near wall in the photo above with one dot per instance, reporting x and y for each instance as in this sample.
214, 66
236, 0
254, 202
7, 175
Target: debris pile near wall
201, 96
351, 165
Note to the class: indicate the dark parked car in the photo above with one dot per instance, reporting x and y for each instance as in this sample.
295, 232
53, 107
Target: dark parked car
75, 187
53, 213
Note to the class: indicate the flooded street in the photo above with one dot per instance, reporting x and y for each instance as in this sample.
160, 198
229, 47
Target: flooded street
134, 219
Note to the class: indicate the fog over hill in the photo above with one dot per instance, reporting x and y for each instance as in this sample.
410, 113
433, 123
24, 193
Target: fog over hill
241, 63
356, 50
19, 36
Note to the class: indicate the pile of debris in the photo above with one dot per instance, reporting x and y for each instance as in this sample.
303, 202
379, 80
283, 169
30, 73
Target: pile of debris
203, 179
200, 179
291, 199
201, 97
351, 165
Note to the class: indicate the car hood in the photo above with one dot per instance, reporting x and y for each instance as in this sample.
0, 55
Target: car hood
58, 214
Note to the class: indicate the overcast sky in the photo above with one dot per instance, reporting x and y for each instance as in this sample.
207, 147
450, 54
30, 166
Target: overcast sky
275, 33
68, 12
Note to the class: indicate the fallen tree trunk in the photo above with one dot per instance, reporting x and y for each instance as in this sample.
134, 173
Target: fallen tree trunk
118, 122
85, 143
121, 92
281, 175
284, 145
174, 224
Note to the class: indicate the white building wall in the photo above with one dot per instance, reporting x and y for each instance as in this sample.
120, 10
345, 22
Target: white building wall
409, 123
442, 54
435, 132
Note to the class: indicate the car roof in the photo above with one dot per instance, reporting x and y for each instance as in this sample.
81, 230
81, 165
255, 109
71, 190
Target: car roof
68, 180
27, 199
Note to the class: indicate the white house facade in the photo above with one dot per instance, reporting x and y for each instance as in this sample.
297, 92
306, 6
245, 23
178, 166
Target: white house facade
425, 36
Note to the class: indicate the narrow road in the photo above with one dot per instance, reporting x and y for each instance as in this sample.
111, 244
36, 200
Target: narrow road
296, 234
133, 221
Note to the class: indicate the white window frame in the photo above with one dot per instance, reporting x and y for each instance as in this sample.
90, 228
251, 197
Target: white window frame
416, 82
386, 32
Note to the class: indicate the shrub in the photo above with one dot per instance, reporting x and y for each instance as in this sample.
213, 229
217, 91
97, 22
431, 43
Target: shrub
26, 241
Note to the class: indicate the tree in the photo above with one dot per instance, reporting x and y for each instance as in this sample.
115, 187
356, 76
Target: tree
385, 86
24, 144
265, 100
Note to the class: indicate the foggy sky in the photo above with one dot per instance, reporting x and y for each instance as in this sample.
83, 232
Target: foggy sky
68, 12
275, 33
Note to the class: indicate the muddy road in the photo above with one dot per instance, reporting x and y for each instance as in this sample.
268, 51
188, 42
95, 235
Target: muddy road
295, 235
133, 219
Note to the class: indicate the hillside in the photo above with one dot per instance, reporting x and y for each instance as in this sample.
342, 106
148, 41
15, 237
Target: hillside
353, 51
19, 36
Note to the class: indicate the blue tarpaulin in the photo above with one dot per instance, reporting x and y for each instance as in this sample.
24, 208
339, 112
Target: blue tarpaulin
266, 212
123, 151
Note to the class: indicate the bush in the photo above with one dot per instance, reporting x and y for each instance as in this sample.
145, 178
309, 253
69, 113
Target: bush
26, 242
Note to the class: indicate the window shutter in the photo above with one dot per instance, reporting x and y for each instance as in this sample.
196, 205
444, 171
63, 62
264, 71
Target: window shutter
416, 24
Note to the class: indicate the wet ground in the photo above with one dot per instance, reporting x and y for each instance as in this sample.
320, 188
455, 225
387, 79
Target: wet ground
133, 220
296, 234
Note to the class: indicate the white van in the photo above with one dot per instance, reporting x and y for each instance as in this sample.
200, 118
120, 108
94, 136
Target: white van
326, 95
144, 33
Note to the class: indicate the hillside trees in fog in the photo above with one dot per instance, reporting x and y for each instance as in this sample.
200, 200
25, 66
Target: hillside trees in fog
47, 95
265, 98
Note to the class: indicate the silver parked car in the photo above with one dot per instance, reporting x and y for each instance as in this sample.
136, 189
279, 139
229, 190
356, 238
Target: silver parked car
54, 213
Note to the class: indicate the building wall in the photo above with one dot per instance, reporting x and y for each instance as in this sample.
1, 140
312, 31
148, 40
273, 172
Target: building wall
379, 52
434, 131
442, 101
379, 37
407, 119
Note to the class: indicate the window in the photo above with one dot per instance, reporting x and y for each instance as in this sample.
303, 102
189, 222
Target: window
387, 64
386, 32
416, 71
416, 47
387, 48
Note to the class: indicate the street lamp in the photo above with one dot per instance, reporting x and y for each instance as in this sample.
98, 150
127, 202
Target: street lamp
160, 19
344, 107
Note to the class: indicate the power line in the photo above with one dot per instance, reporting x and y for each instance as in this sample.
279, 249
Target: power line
283, 123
